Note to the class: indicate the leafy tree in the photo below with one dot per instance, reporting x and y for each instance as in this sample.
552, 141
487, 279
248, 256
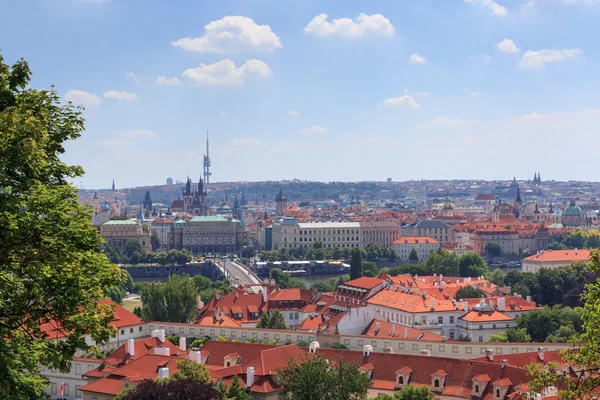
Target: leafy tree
472, 264
496, 276
373, 251
498, 337
285, 280
264, 320
222, 339
173, 301
277, 320
464, 338
174, 389
468, 292
593, 239
187, 369
154, 241
199, 342
521, 289
339, 346
413, 256
125, 392
236, 391
248, 252
51, 268
116, 293
133, 246
442, 262
518, 335
173, 339
493, 249
414, 393
356, 264
314, 379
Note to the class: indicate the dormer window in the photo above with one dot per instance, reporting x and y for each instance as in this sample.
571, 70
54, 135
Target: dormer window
497, 393
476, 389
438, 380
436, 383
401, 380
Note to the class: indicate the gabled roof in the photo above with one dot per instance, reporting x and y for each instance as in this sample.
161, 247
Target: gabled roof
489, 316
560, 256
364, 282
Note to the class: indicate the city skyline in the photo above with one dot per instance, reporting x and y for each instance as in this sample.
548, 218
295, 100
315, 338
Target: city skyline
345, 91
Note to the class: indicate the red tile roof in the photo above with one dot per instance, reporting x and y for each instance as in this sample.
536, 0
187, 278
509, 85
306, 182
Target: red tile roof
416, 240
560, 256
489, 316
364, 282
400, 331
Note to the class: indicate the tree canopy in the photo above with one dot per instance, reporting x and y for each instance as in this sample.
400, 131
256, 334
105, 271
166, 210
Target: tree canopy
51, 269
313, 378
356, 264
173, 301
173, 389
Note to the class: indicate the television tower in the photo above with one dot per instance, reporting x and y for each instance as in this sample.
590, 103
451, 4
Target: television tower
207, 172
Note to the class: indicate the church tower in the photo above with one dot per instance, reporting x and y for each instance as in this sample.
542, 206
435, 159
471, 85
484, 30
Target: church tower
518, 204
188, 197
113, 185
280, 203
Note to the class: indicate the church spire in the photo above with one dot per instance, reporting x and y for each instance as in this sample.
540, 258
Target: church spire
188, 186
113, 185
200, 186
518, 199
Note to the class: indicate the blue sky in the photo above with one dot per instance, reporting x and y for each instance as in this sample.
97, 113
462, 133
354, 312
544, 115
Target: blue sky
320, 90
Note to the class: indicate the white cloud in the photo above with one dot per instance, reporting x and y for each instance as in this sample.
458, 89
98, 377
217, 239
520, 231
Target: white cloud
494, 7
293, 113
136, 79
226, 73
314, 129
537, 59
113, 94
245, 142
223, 115
164, 81
402, 101
416, 59
78, 97
364, 25
445, 122
116, 143
507, 46
232, 34
134, 133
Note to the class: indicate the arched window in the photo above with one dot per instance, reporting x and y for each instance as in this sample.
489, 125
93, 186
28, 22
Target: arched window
498, 393
228, 363
400, 380
436, 383
476, 388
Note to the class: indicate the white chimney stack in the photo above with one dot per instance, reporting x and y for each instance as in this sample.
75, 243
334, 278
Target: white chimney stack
182, 345
405, 333
153, 334
377, 326
393, 329
131, 347
313, 347
162, 351
465, 306
504, 362
249, 377
160, 334
481, 303
367, 350
490, 354
195, 355
433, 303
163, 372
264, 293
200, 303
501, 304
541, 353
426, 353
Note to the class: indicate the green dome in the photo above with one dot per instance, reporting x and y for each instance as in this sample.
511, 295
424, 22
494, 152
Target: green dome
572, 211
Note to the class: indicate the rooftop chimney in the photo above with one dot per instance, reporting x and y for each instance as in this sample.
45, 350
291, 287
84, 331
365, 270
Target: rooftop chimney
131, 347
393, 329
426, 353
377, 326
249, 377
501, 304
367, 350
313, 347
389, 350
504, 362
264, 293
182, 345
465, 306
541, 353
162, 351
160, 334
405, 333
489, 354
433, 303
195, 355
163, 372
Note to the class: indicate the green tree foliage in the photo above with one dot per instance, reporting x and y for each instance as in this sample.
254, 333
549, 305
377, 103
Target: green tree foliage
199, 342
413, 256
464, 338
472, 264
208, 288
584, 356
331, 284
443, 262
264, 320
468, 292
414, 393
339, 346
545, 324
174, 389
51, 268
312, 378
518, 335
248, 252
493, 249
496, 276
154, 241
173, 339
235, 391
498, 337
285, 280
277, 320
173, 301
187, 369
356, 264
